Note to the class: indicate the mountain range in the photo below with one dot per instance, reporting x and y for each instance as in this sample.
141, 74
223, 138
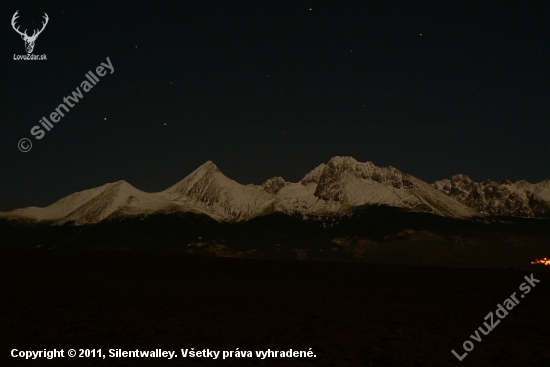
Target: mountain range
335, 188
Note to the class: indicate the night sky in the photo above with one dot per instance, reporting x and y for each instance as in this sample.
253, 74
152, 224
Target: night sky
273, 88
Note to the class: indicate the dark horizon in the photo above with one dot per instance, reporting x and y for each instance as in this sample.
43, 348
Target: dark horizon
274, 89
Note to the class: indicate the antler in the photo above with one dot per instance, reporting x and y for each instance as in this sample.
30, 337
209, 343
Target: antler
35, 35
15, 16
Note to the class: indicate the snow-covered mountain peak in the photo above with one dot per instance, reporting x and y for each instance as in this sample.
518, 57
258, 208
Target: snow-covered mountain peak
94, 205
210, 191
208, 165
333, 188
314, 175
344, 183
274, 185
201, 177
341, 161
520, 198
117, 198
339, 167
207, 168
120, 185
521, 184
461, 178
456, 182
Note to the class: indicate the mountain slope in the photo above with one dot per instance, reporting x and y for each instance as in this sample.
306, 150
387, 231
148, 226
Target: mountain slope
343, 183
97, 204
519, 199
120, 199
335, 188
210, 191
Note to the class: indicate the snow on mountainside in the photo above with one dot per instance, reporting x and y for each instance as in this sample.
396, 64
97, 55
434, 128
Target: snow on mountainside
520, 199
119, 199
57, 210
210, 191
336, 187
274, 185
314, 175
94, 205
344, 183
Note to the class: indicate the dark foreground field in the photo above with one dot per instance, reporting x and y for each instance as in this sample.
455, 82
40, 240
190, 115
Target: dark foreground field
350, 314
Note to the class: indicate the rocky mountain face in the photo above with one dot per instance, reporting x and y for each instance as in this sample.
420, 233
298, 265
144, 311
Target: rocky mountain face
208, 190
337, 187
344, 184
117, 199
505, 198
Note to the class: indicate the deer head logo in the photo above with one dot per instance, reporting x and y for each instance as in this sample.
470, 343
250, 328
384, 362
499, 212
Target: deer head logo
29, 40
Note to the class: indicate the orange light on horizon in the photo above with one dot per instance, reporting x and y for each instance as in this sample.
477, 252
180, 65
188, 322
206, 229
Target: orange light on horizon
544, 261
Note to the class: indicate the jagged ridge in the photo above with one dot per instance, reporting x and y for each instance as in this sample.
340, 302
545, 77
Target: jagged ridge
506, 198
337, 187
